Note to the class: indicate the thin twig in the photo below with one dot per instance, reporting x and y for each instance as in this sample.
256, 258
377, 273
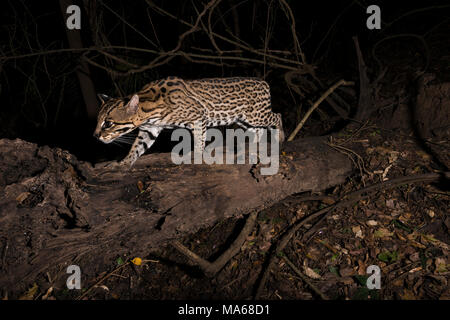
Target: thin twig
316, 104
102, 279
305, 279
237, 44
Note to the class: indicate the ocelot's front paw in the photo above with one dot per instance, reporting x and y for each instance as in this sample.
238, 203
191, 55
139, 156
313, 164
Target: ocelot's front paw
127, 163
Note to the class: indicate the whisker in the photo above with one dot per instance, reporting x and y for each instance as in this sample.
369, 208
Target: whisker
125, 139
118, 144
124, 142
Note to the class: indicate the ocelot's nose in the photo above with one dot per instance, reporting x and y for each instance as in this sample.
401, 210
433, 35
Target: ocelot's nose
96, 135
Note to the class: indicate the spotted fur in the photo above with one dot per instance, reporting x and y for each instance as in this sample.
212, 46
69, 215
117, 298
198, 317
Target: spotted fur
173, 102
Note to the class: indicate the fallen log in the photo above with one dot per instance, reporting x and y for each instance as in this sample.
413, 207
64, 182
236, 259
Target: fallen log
56, 211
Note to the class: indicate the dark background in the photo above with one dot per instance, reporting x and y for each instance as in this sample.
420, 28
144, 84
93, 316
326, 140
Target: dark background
42, 101
40, 97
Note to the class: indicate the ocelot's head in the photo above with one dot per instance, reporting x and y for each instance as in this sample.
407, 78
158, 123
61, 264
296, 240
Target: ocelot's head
117, 116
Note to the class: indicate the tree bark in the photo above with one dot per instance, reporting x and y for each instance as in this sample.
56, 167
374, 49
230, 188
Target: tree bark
56, 210
366, 103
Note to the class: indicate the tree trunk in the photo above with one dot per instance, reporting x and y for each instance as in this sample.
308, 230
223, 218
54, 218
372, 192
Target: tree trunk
86, 85
56, 211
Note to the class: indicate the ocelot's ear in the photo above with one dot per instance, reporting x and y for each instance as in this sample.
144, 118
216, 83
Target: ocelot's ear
103, 97
133, 104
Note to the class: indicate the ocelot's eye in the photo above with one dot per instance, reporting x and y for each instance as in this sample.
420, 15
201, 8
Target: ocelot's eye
107, 124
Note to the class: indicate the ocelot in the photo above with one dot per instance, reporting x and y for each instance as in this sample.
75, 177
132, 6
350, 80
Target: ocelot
173, 102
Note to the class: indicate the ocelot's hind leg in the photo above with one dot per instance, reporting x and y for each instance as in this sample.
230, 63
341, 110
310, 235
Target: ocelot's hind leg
268, 119
274, 120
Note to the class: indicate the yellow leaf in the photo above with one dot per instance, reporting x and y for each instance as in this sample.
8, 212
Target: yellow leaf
137, 261
140, 186
30, 293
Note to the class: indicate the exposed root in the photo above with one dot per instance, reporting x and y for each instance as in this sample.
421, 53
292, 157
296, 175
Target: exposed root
211, 268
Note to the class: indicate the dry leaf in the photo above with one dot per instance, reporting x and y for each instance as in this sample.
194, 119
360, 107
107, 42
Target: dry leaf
49, 292
311, 273
398, 283
362, 268
415, 269
383, 150
417, 244
103, 287
21, 197
371, 223
357, 231
115, 296
30, 293
382, 233
393, 156
408, 295
234, 264
400, 236
346, 272
328, 201
423, 155
390, 203
441, 265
